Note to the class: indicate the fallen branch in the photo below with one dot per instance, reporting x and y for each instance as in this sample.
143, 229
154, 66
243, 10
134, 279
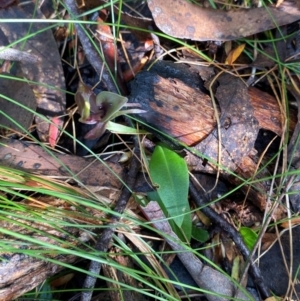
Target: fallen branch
235, 236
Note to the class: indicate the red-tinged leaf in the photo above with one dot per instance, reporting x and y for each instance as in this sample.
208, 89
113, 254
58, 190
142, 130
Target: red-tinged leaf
53, 131
234, 54
110, 52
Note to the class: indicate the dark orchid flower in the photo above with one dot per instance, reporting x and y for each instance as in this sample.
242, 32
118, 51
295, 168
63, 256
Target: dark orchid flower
100, 109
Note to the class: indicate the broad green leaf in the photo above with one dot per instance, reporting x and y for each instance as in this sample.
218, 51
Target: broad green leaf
249, 237
184, 232
170, 173
199, 234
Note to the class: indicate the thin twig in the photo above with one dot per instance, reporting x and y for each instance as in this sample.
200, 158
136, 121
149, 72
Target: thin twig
106, 236
90, 52
235, 236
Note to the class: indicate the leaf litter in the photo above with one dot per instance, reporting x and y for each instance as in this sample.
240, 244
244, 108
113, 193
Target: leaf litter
172, 105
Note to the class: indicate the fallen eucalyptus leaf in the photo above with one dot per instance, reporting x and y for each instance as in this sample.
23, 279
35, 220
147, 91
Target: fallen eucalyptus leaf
185, 20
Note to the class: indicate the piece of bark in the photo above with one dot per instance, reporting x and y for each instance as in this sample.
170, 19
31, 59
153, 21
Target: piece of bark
29, 272
181, 110
238, 129
268, 113
33, 158
174, 108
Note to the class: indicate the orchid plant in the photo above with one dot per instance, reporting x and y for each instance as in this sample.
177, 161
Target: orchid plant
101, 109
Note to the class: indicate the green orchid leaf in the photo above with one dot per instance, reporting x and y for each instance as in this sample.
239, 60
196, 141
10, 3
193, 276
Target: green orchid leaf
199, 234
170, 173
110, 103
184, 231
123, 129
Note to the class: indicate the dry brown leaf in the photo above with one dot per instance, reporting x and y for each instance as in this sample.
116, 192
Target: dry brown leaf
239, 128
182, 19
234, 54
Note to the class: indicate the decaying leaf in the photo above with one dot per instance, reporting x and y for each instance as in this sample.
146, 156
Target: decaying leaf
239, 128
182, 19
